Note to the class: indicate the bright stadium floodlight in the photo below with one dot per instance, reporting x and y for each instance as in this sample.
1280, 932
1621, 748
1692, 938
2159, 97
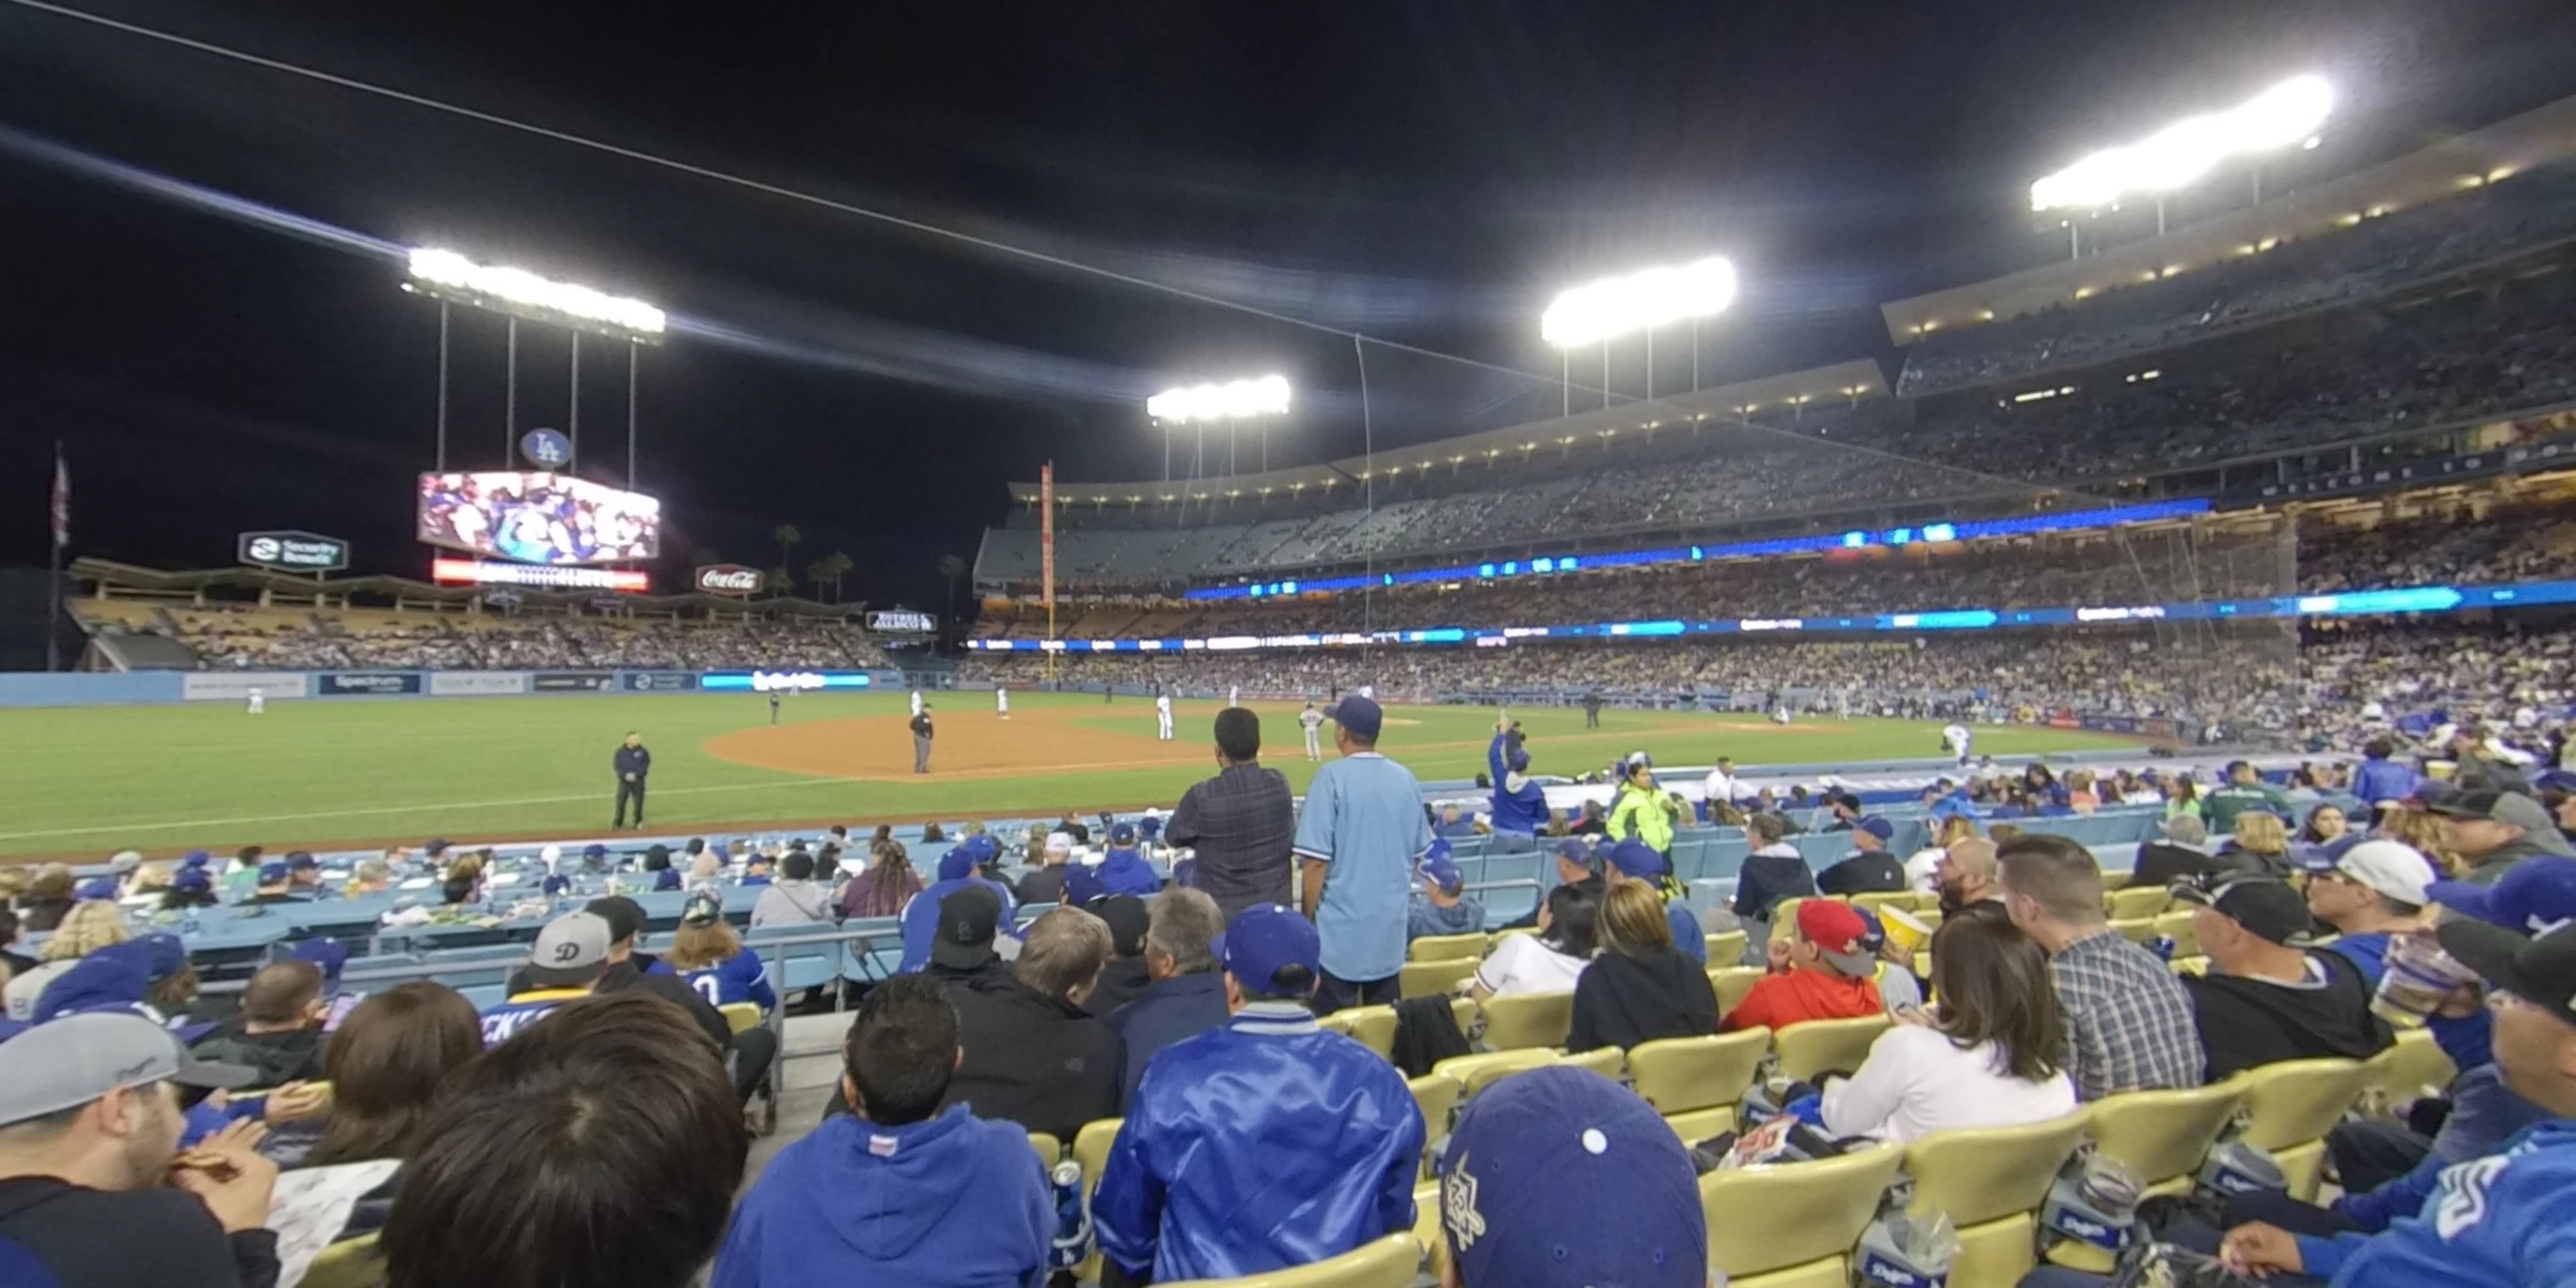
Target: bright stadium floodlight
1236, 400
513, 289
2287, 114
1606, 310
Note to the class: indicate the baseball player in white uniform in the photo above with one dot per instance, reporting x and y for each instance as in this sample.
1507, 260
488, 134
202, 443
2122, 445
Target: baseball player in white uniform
1163, 715
1956, 737
256, 701
1001, 702
916, 702
1313, 720
1234, 695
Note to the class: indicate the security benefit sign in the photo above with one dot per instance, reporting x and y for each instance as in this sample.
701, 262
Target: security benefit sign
292, 551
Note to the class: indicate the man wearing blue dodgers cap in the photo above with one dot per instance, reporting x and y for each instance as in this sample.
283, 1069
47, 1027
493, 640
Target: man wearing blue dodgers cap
1123, 869
1561, 1178
1869, 868
1263, 1144
1443, 907
920, 916
1638, 861
276, 885
94, 1190
1362, 829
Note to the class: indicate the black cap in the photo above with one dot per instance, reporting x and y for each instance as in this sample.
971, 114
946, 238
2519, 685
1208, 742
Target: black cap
624, 916
1125, 914
968, 919
2540, 971
2264, 905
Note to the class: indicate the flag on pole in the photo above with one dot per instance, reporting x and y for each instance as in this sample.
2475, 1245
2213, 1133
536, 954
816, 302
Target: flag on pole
62, 499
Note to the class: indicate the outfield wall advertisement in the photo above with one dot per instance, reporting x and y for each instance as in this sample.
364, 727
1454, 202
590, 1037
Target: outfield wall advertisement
236, 686
343, 684
480, 684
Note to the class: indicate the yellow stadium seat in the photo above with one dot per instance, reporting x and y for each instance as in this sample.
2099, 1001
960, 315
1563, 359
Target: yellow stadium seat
2142, 901
2292, 1105
1608, 1061
1784, 917
1473, 1072
1732, 983
2411, 1065
349, 1263
1796, 1221
2162, 1136
1371, 1026
1432, 979
2136, 930
1992, 1183
1050, 1150
1927, 901
1091, 1153
1877, 899
1436, 1095
741, 1016
1387, 1263
1695, 1083
2177, 924
1528, 1020
2190, 965
1725, 948
1432, 948
1819, 1046
1426, 1229
1495, 940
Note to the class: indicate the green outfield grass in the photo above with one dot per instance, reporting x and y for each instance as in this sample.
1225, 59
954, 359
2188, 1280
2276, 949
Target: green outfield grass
83, 782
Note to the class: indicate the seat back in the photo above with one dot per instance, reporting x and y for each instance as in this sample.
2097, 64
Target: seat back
1608, 1061
2297, 1101
2141, 901
1432, 978
1784, 916
1807, 1211
1732, 983
1725, 948
1877, 899
1091, 1148
1987, 1174
1474, 1071
2177, 926
2411, 1064
1432, 948
2161, 1135
1050, 1151
2136, 930
1817, 1046
741, 1016
1528, 1020
349, 1263
1436, 1095
1677, 1075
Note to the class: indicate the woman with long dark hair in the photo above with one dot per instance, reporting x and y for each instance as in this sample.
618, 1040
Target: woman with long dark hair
1552, 960
885, 887
1991, 1054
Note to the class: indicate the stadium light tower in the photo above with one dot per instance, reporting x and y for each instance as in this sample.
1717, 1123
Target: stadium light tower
451, 278
2184, 152
1603, 311
1232, 402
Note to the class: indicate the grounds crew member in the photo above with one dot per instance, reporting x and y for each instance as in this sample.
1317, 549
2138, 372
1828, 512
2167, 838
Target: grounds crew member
632, 762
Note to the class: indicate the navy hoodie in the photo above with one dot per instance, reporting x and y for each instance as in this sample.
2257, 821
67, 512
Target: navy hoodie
954, 1200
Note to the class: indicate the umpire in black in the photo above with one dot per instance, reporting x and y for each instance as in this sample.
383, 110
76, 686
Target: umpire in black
632, 762
921, 741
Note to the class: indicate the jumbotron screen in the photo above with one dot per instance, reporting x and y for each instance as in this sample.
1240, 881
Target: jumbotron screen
539, 518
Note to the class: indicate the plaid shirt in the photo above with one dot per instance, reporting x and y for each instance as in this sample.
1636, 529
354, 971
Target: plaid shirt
1241, 823
2129, 1023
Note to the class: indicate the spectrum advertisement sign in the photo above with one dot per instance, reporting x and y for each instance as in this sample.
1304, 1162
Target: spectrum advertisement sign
341, 684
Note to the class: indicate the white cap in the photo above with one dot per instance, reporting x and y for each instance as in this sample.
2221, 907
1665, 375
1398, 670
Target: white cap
551, 854
1059, 843
2392, 868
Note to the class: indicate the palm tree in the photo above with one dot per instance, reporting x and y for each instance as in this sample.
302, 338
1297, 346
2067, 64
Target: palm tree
817, 573
837, 565
954, 569
788, 538
782, 579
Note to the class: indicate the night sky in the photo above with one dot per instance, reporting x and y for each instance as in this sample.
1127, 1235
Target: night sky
1425, 172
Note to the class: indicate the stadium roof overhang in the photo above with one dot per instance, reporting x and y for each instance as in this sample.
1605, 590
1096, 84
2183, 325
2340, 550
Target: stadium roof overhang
1841, 382
2444, 169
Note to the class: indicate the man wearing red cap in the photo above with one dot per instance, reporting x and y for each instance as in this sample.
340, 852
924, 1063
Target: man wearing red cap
1821, 973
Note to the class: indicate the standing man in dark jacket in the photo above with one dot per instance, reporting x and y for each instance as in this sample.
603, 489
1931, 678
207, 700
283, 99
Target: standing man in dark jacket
93, 1188
1033, 1056
632, 763
1187, 997
1241, 822
921, 740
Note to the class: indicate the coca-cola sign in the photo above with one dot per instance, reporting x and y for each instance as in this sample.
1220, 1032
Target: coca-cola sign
730, 579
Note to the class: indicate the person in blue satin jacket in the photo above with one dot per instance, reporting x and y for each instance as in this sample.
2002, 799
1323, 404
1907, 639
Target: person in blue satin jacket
1264, 1144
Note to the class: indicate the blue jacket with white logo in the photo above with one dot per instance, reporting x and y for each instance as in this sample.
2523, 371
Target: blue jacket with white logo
921, 918
739, 978
2507, 1218
953, 1200
1522, 810
1264, 1144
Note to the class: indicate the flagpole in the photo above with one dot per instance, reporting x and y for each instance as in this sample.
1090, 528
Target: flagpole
54, 579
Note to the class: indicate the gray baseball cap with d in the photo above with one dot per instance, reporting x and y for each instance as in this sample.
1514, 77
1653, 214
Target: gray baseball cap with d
77, 1059
571, 951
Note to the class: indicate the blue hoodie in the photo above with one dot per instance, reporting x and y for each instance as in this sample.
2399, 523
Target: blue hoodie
2501, 1219
1520, 805
1126, 872
954, 1201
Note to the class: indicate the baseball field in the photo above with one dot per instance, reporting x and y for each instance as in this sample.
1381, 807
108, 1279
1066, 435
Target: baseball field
84, 782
